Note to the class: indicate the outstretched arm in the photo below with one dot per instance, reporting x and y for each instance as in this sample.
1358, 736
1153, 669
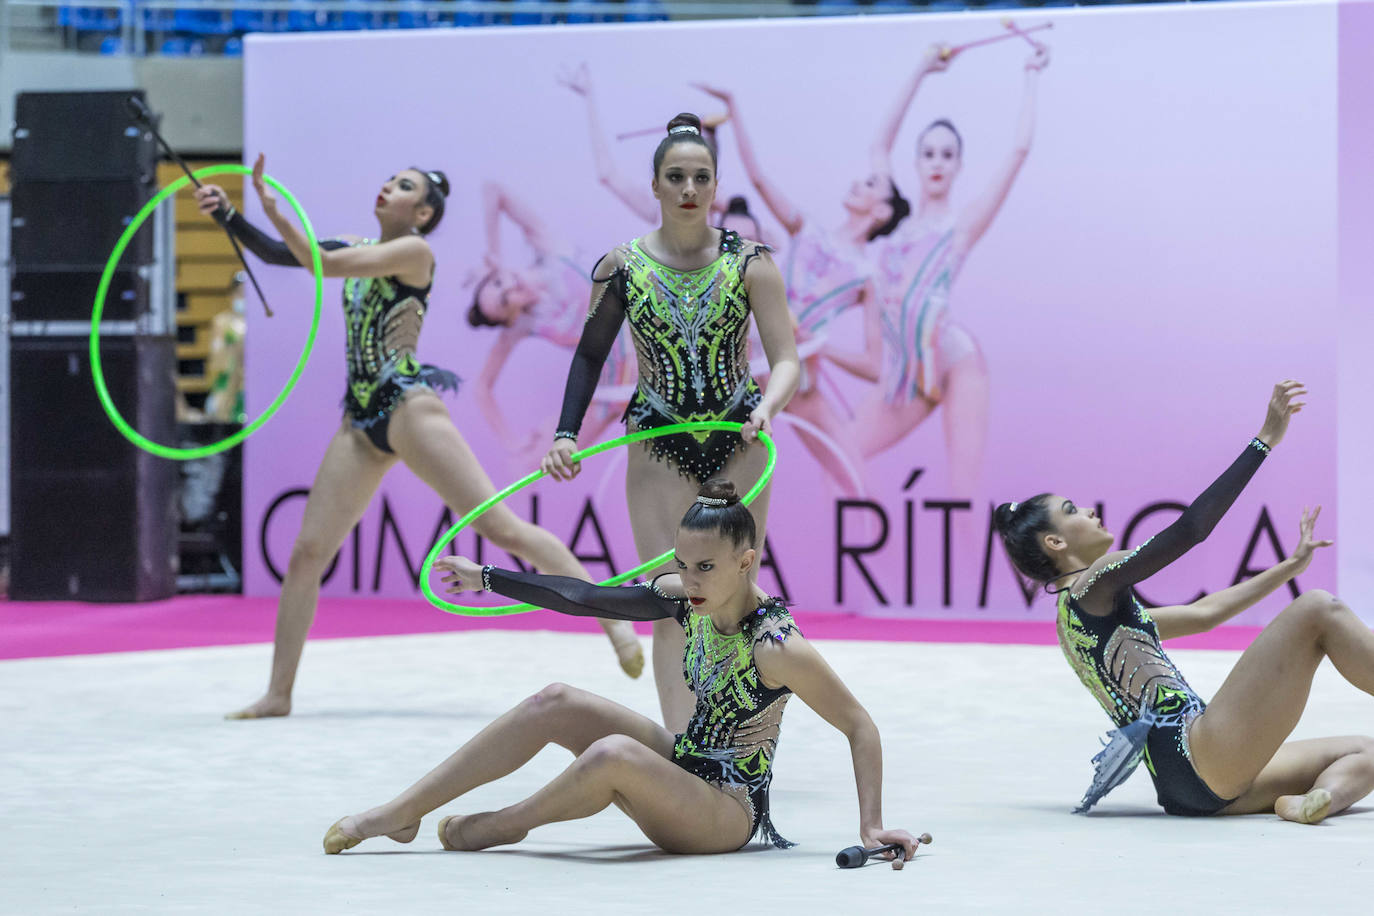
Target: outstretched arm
215, 203
975, 220
563, 594
1212, 610
634, 195
777, 202
1117, 571
795, 663
937, 58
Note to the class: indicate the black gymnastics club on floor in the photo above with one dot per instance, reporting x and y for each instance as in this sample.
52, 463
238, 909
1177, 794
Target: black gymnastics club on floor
856, 856
144, 116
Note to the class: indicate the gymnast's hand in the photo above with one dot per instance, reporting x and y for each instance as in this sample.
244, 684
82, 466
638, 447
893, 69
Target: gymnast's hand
465, 575
211, 199
759, 422
268, 199
558, 463
1307, 543
1283, 403
875, 838
938, 58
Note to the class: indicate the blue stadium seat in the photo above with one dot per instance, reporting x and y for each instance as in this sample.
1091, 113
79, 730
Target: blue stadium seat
413, 17
657, 15
203, 22
257, 21
179, 46
112, 44
91, 19
306, 19
233, 47
521, 14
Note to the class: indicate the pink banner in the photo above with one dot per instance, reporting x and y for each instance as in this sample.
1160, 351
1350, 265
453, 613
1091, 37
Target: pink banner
1123, 252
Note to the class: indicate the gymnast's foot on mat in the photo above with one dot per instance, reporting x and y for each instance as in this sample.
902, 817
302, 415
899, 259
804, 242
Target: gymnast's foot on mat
471, 832
1304, 809
627, 647
347, 832
266, 708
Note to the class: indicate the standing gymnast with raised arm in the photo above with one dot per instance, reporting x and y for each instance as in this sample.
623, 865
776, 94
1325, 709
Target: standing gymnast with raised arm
1228, 756
391, 411
687, 290
702, 791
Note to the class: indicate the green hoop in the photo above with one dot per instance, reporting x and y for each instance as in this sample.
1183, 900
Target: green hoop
97, 371
523, 482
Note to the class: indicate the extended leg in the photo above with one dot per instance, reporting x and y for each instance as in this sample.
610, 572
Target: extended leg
1307, 780
349, 474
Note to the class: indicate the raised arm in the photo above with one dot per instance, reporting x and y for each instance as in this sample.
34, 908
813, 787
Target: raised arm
974, 221
768, 301
634, 195
776, 201
215, 203
1215, 609
497, 200
1116, 571
408, 257
560, 593
937, 58
604, 318
794, 662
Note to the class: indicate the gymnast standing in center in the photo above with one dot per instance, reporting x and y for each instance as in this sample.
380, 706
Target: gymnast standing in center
688, 289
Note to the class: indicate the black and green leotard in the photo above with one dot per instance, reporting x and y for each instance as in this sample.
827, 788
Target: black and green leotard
691, 337
382, 320
732, 736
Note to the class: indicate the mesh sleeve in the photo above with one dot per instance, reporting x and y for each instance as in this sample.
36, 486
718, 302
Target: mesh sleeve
1190, 529
604, 319
270, 250
582, 599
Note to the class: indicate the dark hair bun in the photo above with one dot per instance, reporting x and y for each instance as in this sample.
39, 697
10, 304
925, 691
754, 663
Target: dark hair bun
739, 205
686, 119
1001, 518
720, 488
442, 183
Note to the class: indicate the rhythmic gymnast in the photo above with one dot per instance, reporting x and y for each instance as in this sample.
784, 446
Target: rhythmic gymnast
827, 271
929, 360
391, 409
702, 791
688, 290
1228, 756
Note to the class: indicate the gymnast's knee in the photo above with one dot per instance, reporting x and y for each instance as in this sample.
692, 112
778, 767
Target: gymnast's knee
1317, 606
610, 752
309, 557
552, 699
501, 527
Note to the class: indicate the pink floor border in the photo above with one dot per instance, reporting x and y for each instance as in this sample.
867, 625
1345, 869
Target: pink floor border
57, 628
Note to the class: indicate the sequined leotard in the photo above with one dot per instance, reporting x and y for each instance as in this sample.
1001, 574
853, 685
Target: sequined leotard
1113, 645
732, 736
690, 331
382, 320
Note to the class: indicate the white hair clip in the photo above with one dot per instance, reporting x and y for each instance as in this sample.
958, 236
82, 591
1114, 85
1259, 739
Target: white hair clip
712, 501
1013, 506
684, 129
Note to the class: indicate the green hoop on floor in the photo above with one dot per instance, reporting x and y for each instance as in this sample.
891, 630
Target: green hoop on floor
97, 372
524, 482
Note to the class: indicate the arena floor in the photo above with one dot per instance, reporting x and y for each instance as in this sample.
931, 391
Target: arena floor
125, 791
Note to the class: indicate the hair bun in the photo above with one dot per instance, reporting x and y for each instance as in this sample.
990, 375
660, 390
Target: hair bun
738, 205
719, 488
684, 123
1001, 517
440, 181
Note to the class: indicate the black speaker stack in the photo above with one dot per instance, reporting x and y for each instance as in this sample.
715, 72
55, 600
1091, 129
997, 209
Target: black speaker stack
92, 516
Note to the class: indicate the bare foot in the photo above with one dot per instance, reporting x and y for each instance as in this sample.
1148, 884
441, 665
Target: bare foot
266, 708
1311, 808
627, 647
471, 832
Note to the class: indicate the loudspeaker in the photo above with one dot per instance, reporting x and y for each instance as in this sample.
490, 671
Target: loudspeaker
38, 294
75, 224
92, 516
65, 136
